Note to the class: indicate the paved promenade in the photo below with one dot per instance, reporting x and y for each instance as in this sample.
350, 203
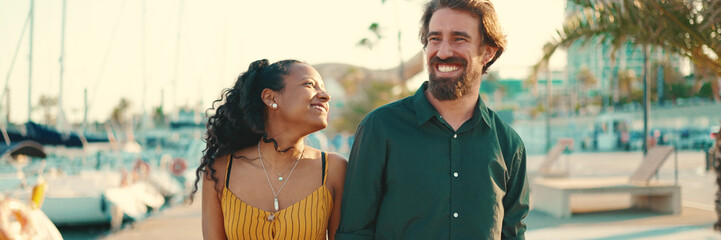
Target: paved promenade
178, 222
605, 216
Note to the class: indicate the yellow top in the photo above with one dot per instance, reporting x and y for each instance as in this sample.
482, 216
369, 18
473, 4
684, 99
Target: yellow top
306, 219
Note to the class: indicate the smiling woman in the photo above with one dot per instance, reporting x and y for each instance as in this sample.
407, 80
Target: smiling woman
255, 150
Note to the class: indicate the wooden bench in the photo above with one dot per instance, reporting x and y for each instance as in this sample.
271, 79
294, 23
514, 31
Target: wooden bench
553, 196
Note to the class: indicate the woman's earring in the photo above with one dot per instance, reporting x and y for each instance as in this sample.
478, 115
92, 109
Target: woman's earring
273, 105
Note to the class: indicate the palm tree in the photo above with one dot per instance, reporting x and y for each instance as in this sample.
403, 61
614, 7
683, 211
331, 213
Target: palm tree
371, 42
690, 28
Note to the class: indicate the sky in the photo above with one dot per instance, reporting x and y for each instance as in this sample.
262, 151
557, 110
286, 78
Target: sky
179, 53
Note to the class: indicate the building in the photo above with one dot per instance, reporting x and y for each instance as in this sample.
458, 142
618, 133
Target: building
596, 56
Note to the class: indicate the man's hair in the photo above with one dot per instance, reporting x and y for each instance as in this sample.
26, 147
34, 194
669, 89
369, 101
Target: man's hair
488, 25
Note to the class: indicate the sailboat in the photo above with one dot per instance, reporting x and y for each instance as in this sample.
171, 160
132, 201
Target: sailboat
77, 193
20, 214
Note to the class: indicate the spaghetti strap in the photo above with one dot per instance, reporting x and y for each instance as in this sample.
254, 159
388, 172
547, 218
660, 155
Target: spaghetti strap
227, 170
324, 163
314, 211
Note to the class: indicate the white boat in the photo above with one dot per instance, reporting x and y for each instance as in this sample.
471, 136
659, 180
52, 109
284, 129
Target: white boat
79, 199
91, 196
20, 215
18, 220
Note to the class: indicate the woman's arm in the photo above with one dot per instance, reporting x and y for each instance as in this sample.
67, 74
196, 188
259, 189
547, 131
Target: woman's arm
212, 214
336, 176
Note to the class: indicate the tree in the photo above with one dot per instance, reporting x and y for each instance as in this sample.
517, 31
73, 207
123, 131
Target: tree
703, 76
587, 81
673, 84
118, 114
47, 103
690, 28
362, 87
159, 116
586, 78
493, 86
374, 95
626, 80
370, 42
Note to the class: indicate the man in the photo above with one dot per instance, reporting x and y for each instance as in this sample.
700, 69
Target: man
439, 164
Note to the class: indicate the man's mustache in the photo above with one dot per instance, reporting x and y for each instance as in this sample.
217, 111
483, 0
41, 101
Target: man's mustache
450, 60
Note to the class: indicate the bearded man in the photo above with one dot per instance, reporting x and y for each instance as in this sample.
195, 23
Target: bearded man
440, 164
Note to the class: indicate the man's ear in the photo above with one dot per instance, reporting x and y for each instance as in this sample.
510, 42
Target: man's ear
488, 53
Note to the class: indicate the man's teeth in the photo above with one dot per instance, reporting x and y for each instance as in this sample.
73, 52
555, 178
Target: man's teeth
319, 107
447, 68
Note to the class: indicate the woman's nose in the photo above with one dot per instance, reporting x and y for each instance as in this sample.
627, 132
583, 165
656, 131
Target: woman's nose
324, 95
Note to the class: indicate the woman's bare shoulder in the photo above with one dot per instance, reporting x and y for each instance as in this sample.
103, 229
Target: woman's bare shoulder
337, 160
220, 164
336, 169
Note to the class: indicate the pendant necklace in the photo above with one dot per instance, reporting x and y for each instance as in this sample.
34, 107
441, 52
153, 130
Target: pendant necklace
271, 216
280, 174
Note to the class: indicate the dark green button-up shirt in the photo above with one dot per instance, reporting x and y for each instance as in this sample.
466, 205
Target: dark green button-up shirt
410, 176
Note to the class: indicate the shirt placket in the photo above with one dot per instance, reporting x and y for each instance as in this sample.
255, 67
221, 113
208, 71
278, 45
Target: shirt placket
455, 212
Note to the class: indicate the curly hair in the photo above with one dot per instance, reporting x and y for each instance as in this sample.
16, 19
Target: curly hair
489, 27
239, 122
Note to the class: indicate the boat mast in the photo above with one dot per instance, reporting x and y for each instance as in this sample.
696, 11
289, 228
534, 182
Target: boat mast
142, 67
61, 114
174, 82
6, 92
85, 109
30, 60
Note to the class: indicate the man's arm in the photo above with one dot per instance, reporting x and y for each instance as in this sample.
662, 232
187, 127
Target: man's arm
363, 190
516, 200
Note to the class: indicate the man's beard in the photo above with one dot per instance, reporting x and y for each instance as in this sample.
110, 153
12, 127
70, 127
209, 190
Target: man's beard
452, 88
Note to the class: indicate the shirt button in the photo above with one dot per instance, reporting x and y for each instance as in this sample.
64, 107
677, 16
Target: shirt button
455, 135
455, 174
455, 215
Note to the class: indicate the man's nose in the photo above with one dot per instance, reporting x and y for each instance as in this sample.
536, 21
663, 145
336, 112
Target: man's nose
444, 50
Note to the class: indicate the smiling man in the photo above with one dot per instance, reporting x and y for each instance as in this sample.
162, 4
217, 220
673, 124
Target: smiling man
440, 164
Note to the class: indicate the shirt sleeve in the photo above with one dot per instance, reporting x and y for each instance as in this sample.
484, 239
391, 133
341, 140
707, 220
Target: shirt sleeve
363, 189
516, 200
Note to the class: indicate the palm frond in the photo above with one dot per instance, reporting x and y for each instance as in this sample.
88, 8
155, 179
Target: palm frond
690, 28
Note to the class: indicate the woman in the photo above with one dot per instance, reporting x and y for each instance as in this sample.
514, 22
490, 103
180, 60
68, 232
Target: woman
260, 181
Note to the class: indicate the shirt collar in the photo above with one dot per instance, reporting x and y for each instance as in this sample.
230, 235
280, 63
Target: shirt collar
425, 111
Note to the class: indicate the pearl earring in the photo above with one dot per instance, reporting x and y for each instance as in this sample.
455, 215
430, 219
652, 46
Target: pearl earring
274, 105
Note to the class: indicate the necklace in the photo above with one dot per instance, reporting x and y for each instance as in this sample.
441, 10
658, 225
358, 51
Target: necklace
271, 217
280, 175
